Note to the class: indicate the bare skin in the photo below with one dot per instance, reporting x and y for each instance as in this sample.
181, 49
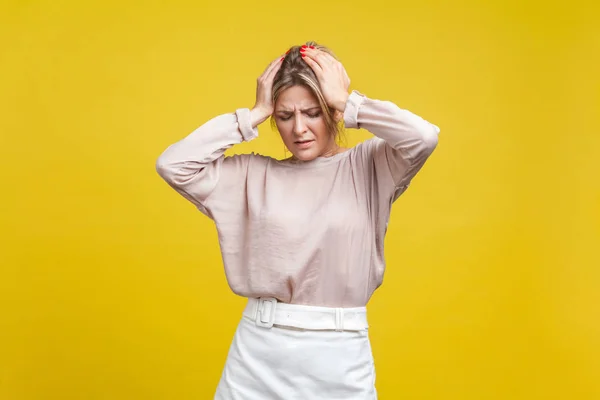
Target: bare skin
297, 113
301, 125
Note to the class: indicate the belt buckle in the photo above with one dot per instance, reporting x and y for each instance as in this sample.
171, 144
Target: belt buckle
265, 312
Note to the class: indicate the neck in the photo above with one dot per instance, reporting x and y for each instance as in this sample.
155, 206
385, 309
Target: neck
333, 150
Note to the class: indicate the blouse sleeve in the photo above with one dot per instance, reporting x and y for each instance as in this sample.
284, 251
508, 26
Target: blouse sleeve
195, 165
403, 141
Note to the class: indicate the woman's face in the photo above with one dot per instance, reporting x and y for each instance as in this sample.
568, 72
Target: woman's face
301, 124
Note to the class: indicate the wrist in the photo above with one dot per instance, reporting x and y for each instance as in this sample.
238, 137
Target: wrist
340, 103
258, 115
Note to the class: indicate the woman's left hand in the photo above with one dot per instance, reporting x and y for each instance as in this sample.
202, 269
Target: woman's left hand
332, 77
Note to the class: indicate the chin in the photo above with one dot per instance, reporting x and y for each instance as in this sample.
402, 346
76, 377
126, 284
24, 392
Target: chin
305, 155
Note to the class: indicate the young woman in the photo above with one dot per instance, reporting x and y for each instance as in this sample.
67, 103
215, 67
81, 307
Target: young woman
302, 238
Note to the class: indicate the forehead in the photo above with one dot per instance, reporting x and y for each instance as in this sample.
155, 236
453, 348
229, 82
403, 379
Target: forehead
296, 97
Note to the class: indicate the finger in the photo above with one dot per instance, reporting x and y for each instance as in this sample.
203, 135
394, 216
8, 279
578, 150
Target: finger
346, 77
328, 57
313, 55
323, 58
319, 63
273, 64
317, 69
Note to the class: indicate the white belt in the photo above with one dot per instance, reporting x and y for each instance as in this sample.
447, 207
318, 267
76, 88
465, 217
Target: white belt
267, 311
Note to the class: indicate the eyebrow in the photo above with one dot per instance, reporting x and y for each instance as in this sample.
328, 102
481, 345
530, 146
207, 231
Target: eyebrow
303, 110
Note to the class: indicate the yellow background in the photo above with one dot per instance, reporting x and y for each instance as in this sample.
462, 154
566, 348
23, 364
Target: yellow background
111, 285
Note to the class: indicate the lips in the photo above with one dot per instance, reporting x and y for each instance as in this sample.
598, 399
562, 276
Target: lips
303, 144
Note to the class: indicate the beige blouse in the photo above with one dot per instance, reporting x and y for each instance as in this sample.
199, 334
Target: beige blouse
303, 232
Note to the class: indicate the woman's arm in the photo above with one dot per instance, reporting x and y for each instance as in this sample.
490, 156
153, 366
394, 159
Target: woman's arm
194, 165
404, 140
407, 140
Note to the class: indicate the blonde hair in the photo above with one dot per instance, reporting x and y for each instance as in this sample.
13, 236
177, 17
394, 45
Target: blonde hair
295, 71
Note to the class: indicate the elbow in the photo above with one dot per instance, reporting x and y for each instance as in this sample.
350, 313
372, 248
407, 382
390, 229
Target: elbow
429, 138
165, 169
176, 172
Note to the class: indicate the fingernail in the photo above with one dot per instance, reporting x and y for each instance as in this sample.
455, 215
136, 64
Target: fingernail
303, 46
303, 55
281, 59
312, 47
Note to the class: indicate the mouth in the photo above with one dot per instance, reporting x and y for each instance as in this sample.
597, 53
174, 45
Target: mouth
303, 143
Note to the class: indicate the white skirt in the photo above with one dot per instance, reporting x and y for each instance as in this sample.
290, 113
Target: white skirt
283, 352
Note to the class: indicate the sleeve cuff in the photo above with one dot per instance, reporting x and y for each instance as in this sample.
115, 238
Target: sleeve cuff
244, 124
351, 111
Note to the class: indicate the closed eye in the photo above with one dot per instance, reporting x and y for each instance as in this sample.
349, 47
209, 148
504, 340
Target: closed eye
311, 113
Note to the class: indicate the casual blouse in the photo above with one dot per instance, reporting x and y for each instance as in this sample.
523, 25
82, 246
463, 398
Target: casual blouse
303, 232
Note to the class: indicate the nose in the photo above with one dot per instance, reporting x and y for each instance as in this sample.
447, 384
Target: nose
299, 125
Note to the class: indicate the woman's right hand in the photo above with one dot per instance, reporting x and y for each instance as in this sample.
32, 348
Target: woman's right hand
264, 106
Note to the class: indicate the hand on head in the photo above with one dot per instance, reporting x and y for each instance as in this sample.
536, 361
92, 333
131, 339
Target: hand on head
264, 85
305, 92
332, 76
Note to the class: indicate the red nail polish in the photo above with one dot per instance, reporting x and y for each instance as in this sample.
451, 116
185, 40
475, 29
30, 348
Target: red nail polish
312, 47
303, 46
281, 59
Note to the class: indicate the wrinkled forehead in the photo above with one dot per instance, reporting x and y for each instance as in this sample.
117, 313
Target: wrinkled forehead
296, 98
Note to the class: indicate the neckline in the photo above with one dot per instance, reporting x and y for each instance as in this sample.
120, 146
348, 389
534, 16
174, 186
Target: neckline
316, 162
